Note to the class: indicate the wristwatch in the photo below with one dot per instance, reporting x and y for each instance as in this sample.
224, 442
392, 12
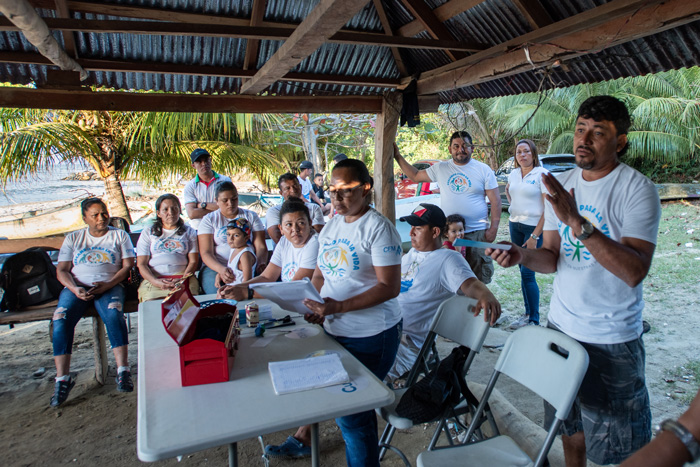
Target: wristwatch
586, 230
682, 433
534, 237
203, 205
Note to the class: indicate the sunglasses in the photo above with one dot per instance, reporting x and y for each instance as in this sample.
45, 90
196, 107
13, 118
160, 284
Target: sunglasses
343, 192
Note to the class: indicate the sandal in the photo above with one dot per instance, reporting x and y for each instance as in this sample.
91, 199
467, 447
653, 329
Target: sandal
292, 448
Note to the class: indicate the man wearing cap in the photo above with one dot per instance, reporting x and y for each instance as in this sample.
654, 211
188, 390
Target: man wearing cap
289, 188
199, 192
306, 171
464, 183
429, 275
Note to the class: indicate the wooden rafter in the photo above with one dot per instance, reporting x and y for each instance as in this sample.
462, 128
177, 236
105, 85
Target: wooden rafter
68, 39
605, 28
321, 23
253, 46
534, 13
389, 32
197, 70
444, 12
422, 12
161, 102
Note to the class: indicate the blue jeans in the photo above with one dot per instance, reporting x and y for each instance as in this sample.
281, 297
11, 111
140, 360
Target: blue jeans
110, 307
207, 277
519, 233
359, 430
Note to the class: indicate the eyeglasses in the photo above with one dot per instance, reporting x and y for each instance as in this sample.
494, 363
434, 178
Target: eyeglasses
343, 192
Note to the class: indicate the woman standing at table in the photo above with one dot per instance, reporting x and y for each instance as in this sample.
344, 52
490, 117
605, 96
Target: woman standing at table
359, 276
92, 264
166, 251
524, 192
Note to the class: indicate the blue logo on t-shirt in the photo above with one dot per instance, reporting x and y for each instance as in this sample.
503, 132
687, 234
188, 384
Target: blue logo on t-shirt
336, 258
458, 183
288, 271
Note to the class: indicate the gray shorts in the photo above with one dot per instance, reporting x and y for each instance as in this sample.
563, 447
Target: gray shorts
612, 407
481, 264
405, 358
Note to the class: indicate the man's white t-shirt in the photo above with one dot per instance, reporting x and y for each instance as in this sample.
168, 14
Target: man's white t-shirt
272, 216
347, 255
290, 259
96, 259
589, 303
427, 279
168, 253
526, 205
215, 224
462, 190
305, 187
198, 192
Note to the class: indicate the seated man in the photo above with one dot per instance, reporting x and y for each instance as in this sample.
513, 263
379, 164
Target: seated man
429, 275
291, 188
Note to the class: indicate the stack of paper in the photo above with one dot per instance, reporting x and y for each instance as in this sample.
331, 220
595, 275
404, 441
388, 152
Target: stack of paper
308, 373
289, 295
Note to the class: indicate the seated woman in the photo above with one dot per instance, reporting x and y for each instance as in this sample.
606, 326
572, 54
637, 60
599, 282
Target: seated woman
294, 257
213, 245
166, 251
92, 264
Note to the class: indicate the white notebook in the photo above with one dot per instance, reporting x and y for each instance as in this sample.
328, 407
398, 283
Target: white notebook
289, 295
308, 373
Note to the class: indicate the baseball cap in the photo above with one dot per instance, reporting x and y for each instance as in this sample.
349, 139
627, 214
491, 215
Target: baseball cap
426, 214
339, 157
306, 165
197, 153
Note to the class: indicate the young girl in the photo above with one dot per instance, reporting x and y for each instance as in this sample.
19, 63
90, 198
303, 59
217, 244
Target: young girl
242, 261
454, 229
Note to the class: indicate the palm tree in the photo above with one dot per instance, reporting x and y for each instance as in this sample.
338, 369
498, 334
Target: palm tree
149, 146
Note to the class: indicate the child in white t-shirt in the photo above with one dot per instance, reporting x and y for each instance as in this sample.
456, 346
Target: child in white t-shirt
242, 261
454, 229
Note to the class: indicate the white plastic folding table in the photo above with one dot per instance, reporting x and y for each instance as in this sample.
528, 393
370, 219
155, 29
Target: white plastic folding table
175, 420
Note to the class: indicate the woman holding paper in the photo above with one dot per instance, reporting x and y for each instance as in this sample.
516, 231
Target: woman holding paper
294, 257
359, 275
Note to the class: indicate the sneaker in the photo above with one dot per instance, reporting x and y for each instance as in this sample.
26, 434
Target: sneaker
124, 383
646, 327
520, 322
61, 391
290, 449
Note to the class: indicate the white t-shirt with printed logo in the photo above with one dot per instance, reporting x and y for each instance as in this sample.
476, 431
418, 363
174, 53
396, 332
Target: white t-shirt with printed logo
589, 303
272, 215
290, 259
198, 192
462, 190
427, 279
96, 259
215, 224
526, 205
168, 253
347, 255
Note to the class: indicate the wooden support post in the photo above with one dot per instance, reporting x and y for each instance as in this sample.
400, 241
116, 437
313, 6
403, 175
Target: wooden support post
100, 348
385, 135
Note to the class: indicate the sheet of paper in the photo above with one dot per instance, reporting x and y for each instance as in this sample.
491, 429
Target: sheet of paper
308, 373
262, 341
484, 245
289, 295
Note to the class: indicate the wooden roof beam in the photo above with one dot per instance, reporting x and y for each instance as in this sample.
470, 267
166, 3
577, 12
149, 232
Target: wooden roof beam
645, 19
250, 62
534, 13
165, 102
422, 12
321, 23
444, 12
395, 52
68, 39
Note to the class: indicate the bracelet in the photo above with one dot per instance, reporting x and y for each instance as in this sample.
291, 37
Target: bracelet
250, 293
685, 436
534, 236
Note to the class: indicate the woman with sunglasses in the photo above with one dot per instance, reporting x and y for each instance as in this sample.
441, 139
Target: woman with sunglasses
92, 264
358, 274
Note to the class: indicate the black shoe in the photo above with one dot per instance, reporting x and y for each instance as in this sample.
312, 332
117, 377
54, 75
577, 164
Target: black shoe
646, 327
124, 383
61, 391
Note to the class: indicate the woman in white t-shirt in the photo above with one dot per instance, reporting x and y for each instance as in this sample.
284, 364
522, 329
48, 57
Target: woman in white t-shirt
92, 264
524, 192
294, 257
166, 251
358, 274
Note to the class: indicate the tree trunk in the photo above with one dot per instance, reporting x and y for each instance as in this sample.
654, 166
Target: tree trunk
309, 138
115, 198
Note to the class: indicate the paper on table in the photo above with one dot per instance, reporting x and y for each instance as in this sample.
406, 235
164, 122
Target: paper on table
484, 245
289, 295
308, 373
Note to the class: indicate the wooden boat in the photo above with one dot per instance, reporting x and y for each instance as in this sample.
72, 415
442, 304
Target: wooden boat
42, 223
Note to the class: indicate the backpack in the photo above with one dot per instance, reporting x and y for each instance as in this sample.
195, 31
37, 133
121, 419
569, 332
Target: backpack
439, 390
28, 278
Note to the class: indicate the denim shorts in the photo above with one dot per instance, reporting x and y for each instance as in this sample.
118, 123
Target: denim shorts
612, 407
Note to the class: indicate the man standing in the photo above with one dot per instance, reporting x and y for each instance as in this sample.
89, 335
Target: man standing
306, 171
429, 275
601, 225
199, 192
290, 188
464, 183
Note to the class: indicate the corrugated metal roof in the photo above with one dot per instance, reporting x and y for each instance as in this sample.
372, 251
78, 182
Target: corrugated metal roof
489, 23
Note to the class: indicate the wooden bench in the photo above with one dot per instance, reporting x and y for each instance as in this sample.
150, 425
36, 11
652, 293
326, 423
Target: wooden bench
45, 311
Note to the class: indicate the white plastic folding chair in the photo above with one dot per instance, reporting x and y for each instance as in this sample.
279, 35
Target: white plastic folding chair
545, 361
453, 320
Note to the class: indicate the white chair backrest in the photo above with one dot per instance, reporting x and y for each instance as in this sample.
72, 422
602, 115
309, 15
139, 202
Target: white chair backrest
455, 320
547, 362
